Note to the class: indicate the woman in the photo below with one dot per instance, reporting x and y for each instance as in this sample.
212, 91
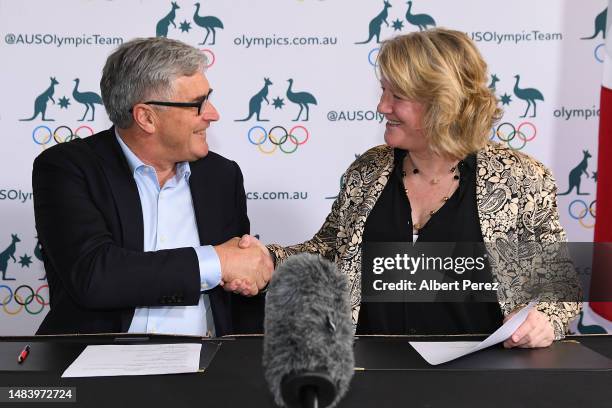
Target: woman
438, 178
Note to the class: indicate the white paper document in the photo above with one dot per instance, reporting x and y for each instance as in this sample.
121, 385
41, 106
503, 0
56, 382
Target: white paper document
435, 352
135, 359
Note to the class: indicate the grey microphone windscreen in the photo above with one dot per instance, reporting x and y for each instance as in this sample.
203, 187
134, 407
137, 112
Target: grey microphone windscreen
308, 327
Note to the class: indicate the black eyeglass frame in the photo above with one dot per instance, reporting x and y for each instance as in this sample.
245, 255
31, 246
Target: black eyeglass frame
199, 104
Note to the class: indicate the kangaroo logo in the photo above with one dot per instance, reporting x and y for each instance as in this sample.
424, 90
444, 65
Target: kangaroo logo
40, 103
576, 173
303, 99
6, 254
161, 30
376, 24
419, 20
494, 81
210, 23
255, 103
89, 99
600, 25
529, 95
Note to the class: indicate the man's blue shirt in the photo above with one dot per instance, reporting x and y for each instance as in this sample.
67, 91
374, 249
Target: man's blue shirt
169, 222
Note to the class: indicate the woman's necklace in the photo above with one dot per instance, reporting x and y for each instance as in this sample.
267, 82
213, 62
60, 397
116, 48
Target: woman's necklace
434, 181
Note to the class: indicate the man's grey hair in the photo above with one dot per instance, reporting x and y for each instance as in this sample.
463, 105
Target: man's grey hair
144, 69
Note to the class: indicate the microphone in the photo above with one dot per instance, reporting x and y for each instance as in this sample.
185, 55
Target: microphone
308, 344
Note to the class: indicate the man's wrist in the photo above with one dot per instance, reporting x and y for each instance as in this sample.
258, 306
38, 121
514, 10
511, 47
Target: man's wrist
209, 267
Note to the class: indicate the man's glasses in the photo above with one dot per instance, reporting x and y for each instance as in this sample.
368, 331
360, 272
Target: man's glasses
201, 104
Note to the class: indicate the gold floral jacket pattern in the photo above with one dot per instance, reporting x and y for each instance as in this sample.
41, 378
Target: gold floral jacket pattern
516, 199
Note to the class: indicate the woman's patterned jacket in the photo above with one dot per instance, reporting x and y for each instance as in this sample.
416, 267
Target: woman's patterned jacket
516, 198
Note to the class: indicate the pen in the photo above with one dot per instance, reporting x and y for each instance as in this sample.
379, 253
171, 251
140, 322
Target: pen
24, 354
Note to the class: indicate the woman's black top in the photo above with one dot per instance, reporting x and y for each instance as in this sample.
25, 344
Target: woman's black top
457, 221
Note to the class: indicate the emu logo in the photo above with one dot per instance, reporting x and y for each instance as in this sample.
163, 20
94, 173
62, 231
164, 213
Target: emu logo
209, 23
529, 95
89, 99
302, 99
419, 20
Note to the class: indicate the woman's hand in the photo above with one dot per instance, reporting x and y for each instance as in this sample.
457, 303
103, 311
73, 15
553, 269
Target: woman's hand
536, 331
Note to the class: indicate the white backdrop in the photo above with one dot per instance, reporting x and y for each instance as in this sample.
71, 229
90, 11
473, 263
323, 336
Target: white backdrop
312, 42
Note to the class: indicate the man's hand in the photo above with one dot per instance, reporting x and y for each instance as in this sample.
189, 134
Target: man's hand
248, 241
244, 270
536, 331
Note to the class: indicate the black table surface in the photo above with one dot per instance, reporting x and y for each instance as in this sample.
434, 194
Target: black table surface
392, 375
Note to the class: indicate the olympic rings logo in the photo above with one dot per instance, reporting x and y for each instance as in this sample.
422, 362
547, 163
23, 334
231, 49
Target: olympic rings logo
579, 210
597, 52
42, 135
373, 57
507, 132
23, 296
278, 138
210, 57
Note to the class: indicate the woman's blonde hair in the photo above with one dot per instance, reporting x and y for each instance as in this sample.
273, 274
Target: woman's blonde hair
443, 70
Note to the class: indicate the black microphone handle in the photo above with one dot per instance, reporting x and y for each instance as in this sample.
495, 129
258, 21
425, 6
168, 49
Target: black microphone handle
309, 397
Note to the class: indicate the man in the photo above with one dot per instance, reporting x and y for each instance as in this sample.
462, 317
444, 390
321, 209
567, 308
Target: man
137, 222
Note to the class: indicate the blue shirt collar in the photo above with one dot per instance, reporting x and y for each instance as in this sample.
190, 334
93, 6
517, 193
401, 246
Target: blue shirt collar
182, 168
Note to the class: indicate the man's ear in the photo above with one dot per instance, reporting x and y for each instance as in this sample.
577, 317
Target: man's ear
145, 118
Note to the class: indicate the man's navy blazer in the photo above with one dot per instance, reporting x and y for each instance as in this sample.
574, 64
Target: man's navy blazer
89, 222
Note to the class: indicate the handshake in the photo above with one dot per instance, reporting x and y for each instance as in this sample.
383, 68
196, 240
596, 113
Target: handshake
246, 265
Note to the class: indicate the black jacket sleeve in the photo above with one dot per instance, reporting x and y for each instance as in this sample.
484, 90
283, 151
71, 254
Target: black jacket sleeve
79, 230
